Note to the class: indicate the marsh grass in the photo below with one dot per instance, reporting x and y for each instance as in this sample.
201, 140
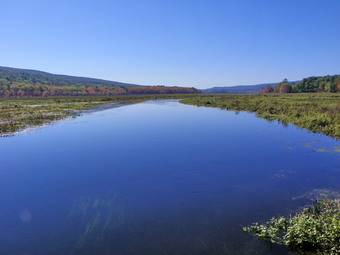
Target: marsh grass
318, 113
19, 114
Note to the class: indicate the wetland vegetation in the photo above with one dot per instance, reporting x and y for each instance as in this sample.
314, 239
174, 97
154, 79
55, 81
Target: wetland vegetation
19, 114
315, 112
315, 230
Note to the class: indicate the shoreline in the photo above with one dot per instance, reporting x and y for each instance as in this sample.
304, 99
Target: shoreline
69, 115
99, 108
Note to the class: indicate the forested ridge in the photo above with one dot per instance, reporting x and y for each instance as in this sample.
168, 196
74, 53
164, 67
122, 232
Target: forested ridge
10, 75
30, 83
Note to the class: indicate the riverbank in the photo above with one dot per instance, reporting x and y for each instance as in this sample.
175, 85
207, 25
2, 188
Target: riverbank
318, 113
17, 115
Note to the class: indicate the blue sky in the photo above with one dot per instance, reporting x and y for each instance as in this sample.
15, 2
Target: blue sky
185, 43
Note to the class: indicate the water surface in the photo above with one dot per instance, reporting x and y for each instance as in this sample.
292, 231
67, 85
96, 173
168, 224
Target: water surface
156, 178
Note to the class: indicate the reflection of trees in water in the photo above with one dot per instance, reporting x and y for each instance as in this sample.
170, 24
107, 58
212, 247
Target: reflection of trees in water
98, 218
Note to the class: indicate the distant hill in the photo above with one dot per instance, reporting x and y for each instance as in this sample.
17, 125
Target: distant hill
238, 89
31, 83
13, 75
241, 89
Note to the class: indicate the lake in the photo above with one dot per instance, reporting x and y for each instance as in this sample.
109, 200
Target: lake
157, 178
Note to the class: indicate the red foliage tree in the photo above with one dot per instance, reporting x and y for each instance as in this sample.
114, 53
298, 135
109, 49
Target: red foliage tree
268, 89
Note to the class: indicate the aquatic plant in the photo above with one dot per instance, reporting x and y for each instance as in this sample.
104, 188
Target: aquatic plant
315, 230
98, 217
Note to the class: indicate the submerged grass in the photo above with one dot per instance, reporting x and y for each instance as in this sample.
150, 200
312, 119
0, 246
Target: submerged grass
19, 114
316, 112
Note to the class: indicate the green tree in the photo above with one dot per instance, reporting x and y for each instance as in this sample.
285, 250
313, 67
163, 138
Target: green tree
330, 87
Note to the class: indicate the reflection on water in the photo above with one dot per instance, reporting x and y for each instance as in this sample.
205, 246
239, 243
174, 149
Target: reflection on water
101, 222
98, 218
319, 194
157, 178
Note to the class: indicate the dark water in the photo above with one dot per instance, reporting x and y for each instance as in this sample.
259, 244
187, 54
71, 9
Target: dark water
156, 178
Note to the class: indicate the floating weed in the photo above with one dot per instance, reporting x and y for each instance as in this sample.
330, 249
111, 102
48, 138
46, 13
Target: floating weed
322, 150
283, 174
319, 194
334, 150
308, 146
337, 148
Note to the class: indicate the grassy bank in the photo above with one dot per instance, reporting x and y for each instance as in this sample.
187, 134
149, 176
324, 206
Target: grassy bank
315, 112
19, 114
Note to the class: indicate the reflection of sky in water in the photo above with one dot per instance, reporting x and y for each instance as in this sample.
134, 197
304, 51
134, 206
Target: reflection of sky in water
25, 216
157, 178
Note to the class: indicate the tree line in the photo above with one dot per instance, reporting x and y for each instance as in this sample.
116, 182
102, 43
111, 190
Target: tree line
329, 84
16, 82
40, 90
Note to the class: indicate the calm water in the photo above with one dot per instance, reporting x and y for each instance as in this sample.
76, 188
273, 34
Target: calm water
156, 178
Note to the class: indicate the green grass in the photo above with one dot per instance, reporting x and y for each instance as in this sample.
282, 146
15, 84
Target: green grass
19, 114
316, 112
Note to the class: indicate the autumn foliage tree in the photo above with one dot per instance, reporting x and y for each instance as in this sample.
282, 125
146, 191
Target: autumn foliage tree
283, 87
268, 89
43, 90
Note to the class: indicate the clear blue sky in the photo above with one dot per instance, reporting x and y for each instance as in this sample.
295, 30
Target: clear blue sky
178, 42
